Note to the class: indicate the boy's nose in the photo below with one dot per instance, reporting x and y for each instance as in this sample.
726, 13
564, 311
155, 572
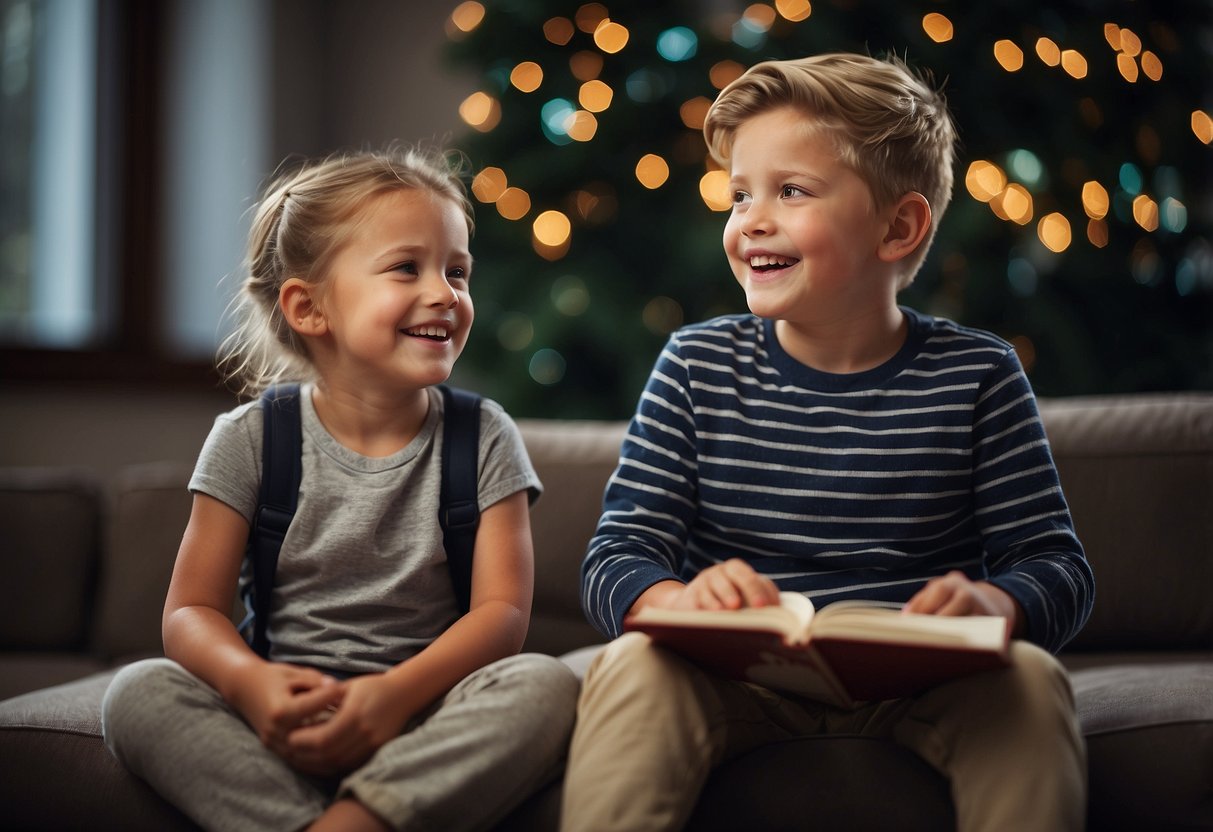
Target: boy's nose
757, 220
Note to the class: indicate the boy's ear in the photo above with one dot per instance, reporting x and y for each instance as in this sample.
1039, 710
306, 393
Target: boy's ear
909, 223
298, 302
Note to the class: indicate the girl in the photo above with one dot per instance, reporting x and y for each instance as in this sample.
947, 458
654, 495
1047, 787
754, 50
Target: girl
380, 706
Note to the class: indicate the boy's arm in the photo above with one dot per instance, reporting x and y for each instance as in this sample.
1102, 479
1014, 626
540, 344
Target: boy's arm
650, 501
1032, 552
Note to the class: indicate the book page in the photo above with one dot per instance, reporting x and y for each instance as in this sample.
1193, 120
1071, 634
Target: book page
791, 619
860, 621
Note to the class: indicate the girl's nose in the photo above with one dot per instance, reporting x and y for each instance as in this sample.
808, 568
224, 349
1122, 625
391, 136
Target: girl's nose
440, 293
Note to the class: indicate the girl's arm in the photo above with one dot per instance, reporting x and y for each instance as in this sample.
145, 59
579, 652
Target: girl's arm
199, 634
376, 707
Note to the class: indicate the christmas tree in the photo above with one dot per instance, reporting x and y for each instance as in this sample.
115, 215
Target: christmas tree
1079, 230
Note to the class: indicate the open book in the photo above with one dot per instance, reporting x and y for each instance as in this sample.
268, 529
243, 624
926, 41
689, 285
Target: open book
847, 652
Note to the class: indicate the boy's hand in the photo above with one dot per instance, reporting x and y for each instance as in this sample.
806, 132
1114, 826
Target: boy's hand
956, 594
277, 698
725, 586
371, 713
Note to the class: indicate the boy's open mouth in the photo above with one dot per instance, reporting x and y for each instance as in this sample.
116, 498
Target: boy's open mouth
430, 333
771, 262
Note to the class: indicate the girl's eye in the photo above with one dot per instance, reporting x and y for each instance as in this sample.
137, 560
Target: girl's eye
408, 267
739, 197
790, 191
458, 274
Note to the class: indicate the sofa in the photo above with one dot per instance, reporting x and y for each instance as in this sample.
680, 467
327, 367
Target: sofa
87, 562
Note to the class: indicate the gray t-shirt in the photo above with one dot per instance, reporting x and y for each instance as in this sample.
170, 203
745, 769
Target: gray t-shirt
362, 582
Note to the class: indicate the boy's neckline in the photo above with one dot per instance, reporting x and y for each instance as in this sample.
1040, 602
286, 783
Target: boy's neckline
804, 375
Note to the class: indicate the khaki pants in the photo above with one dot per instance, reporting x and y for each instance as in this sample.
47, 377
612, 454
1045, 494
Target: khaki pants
651, 726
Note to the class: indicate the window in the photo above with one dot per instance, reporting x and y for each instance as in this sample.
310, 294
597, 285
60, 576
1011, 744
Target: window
48, 291
133, 138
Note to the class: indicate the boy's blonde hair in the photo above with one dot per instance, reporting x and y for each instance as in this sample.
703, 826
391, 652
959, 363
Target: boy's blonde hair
891, 126
303, 219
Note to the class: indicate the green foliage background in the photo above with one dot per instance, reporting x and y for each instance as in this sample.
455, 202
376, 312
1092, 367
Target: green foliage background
1134, 315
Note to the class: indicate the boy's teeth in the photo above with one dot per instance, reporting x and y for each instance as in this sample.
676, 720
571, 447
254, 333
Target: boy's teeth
768, 260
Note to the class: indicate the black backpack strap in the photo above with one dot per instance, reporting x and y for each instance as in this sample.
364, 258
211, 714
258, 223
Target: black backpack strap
459, 511
281, 471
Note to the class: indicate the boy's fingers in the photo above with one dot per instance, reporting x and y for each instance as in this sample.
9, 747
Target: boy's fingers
750, 588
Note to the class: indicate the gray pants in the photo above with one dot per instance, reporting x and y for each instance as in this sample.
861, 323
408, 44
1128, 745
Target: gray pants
478, 752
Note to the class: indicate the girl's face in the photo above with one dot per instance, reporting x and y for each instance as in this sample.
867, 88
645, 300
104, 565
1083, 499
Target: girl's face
396, 300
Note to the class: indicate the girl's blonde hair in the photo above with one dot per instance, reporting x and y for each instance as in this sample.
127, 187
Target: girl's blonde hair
891, 126
302, 220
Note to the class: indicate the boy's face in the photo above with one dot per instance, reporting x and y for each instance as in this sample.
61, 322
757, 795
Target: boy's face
804, 231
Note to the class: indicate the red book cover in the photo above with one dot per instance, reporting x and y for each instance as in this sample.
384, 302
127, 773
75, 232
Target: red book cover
846, 653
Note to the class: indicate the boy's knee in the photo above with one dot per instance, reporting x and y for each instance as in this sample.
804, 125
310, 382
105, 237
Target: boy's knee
1040, 677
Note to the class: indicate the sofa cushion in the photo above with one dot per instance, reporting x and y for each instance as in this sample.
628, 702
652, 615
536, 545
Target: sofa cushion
149, 506
1149, 731
51, 523
56, 773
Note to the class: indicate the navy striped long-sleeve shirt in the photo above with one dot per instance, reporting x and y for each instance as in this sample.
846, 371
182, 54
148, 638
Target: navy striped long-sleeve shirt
840, 486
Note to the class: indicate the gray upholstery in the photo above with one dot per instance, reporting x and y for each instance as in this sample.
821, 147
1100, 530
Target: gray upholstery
86, 565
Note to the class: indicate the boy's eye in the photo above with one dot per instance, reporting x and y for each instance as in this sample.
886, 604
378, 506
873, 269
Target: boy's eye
408, 267
458, 273
740, 197
790, 191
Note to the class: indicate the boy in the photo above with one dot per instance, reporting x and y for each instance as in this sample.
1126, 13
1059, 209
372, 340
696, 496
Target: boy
836, 444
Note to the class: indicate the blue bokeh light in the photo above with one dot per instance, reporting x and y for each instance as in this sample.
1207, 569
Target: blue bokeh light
677, 44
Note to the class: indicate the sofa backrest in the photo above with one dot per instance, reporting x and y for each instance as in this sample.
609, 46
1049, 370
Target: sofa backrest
574, 459
1137, 472
49, 557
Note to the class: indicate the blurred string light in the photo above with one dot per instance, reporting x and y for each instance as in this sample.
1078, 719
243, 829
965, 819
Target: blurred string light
714, 190
464, 19
1132, 61
611, 37
480, 111
750, 30
724, 73
662, 315
551, 234
558, 30
652, 171
937, 27
695, 112
547, 366
1202, 126
595, 96
570, 296
527, 76
677, 44
586, 65
794, 10
1011, 193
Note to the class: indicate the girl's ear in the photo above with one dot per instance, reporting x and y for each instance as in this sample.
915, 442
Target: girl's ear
910, 221
299, 304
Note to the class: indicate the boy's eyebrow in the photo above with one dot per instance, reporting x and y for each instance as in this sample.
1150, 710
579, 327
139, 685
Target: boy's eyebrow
784, 174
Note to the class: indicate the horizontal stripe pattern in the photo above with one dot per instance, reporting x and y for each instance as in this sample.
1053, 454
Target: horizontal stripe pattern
857, 486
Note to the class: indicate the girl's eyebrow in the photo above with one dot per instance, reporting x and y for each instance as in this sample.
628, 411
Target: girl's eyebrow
414, 249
